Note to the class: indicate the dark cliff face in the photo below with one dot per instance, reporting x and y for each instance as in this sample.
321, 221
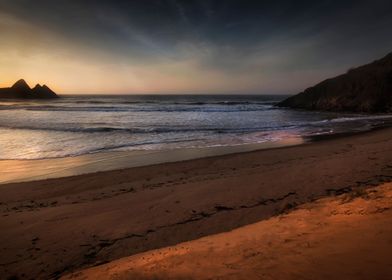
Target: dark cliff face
366, 89
21, 90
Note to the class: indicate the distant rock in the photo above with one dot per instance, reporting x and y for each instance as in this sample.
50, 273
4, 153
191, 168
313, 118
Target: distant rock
43, 92
366, 89
21, 85
21, 90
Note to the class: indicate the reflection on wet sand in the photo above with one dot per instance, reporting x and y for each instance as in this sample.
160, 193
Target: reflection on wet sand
26, 170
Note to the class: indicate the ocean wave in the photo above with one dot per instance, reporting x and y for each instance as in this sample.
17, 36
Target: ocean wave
136, 144
173, 102
104, 128
105, 148
109, 129
174, 107
354, 118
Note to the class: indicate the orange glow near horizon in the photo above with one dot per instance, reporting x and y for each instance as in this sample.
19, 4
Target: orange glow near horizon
75, 73
40, 56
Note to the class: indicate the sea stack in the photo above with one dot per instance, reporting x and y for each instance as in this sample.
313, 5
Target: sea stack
365, 89
21, 90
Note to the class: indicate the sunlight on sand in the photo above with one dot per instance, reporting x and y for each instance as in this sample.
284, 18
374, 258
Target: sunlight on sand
333, 238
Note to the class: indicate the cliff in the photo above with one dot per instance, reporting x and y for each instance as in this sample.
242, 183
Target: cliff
366, 89
21, 90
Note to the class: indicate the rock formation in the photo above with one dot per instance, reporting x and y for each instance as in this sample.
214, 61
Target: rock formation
366, 89
21, 90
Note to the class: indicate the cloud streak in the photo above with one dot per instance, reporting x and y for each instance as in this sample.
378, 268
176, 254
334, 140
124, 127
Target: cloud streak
173, 46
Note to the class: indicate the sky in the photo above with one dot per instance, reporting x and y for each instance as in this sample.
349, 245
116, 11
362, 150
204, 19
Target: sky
189, 46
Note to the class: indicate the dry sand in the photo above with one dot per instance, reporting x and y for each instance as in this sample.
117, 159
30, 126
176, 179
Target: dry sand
345, 237
52, 227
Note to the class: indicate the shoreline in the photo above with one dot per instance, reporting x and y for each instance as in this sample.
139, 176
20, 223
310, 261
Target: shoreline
27, 170
57, 226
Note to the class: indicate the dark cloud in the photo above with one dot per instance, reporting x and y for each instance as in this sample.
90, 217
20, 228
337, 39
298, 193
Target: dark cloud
228, 36
167, 22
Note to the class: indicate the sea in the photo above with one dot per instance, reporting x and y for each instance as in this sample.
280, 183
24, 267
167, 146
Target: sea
76, 124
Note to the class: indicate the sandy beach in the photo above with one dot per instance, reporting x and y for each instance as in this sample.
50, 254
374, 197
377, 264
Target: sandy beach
344, 237
53, 227
195, 140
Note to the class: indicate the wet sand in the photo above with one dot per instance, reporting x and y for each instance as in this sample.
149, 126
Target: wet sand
345, 237
31, 170
53, 227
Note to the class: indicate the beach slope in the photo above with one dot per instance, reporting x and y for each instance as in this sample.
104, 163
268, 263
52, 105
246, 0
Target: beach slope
56, 226
344, 237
